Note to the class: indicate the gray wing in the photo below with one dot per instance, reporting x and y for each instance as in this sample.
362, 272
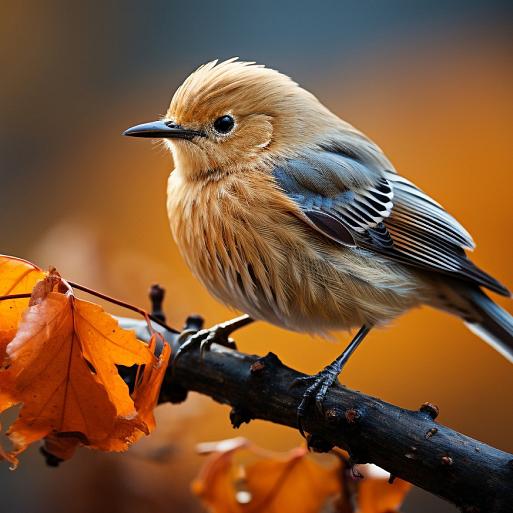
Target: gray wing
357, 204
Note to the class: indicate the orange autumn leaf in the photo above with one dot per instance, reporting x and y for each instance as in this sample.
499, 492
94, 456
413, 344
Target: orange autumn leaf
104, 345
147, 389
62, 366
58, 447
297, 472
125, 431
17, 276
290, 482
377, 495
272, 484
145, 397
216, 484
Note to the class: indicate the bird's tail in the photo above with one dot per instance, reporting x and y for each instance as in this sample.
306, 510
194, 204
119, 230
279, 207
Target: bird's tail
490, 322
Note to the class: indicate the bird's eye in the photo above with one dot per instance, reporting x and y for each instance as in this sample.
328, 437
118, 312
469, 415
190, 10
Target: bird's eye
224, 124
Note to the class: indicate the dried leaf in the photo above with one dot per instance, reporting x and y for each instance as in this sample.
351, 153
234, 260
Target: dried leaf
377, 495
147, 389
216, 484
105, 345
290, 482
272, 484
61, 446
17, 276
275, 483
145, 397
62, 367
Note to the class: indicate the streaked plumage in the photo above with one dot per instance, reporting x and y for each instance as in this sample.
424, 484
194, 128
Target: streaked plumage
297, 218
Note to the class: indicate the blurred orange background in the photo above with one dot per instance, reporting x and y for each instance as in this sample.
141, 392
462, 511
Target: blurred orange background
431, 83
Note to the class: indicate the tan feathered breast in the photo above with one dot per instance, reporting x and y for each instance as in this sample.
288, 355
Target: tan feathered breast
244, 240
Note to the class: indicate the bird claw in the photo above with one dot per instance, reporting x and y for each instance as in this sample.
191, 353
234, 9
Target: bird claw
319, 384
316, 391
218, 334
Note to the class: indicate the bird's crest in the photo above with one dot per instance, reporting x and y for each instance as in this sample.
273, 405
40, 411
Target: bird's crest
245, 84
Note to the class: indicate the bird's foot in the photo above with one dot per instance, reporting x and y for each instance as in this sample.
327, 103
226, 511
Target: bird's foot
315, 393
218, 334
318, 385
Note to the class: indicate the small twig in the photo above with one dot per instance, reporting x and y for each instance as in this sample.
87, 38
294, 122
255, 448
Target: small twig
157, 294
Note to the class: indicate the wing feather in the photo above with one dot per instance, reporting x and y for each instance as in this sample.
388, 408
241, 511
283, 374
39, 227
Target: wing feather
357, 204
419, 209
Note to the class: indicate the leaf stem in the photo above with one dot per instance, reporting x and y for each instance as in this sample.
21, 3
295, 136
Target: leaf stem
26, 295
118, 302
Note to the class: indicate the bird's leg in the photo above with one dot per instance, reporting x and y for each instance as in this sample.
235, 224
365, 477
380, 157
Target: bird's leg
322, 381
220, 334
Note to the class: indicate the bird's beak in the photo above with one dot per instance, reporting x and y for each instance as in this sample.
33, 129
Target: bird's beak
162, 130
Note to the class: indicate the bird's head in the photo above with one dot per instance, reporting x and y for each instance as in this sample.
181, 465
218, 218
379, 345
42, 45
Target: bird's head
232, 116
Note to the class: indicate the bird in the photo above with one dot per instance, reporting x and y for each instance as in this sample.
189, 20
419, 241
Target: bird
291, 215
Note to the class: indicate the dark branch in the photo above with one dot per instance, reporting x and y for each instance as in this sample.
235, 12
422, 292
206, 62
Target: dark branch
409, 444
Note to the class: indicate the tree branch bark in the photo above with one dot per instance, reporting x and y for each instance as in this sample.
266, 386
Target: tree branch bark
409, 444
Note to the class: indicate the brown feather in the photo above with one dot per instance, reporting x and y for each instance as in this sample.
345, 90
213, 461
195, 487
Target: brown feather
243, 239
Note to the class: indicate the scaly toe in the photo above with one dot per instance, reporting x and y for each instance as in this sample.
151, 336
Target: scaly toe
301, 410
189, 343
308, 395
316, 392
221, 337
321, 395
206, 343
199, 336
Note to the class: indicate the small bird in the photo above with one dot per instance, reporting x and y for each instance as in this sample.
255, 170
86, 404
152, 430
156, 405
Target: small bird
293, 216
